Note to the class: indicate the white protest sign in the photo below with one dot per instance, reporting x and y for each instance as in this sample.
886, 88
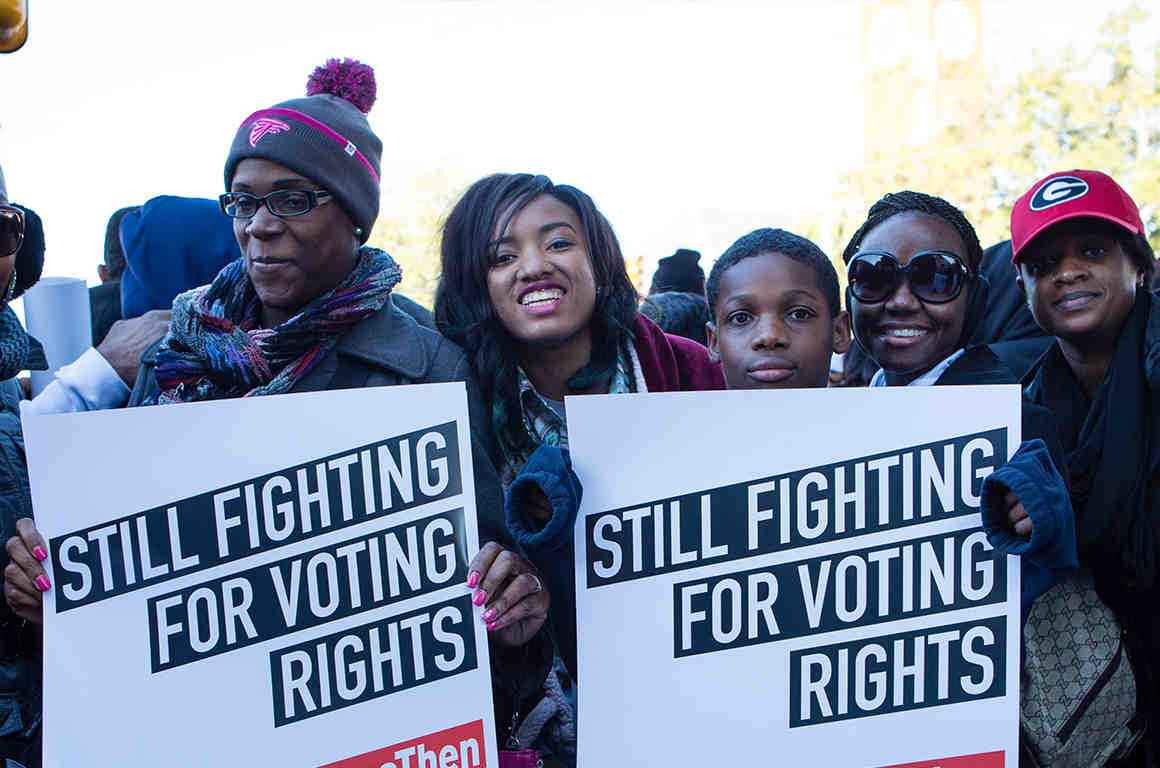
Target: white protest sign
794, 578
263, 581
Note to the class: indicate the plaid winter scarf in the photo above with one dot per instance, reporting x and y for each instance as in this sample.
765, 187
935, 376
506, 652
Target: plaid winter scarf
215, 348
522, 427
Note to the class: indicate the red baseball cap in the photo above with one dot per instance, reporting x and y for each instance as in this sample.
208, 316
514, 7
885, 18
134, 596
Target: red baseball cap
1070, 195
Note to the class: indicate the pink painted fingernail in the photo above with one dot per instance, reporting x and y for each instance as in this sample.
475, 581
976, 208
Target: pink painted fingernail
42, 583
479, 597
473, 580
488, 615
39, 553
492, 626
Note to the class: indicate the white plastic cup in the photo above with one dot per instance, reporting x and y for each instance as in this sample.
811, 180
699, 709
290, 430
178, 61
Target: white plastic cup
57, 314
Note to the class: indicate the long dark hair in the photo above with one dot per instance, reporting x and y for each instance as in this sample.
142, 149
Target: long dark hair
463, 309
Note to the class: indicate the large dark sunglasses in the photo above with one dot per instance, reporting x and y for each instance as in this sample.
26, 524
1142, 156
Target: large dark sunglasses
11, 230
935, 277
283, 203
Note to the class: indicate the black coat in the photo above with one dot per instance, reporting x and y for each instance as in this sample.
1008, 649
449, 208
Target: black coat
417, 311
104, 308
1007, 326
980, 365
1136, 605
20, 643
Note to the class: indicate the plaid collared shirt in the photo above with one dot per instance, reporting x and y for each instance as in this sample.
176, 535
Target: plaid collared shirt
539, 423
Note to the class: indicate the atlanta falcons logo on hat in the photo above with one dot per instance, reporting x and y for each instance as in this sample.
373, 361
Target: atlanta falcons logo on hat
263, 127
1057, 191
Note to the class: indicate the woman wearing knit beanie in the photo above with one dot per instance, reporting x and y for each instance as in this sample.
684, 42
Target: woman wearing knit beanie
308, 307
679, 272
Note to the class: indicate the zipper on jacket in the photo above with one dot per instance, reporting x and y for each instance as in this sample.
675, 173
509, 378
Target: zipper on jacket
1068, 727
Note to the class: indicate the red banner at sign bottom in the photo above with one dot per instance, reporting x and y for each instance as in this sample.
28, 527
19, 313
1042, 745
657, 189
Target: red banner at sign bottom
983, 760
458, 747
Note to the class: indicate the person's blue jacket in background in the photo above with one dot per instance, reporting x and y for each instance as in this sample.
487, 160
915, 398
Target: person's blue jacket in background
172, 244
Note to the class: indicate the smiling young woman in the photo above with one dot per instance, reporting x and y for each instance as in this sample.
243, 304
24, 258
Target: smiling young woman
913, 279
535, 290
1077, 241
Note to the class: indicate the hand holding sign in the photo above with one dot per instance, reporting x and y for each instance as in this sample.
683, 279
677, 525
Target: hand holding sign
516, 603
24, 577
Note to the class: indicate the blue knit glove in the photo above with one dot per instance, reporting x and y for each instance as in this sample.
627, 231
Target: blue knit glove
549, 469
1051, 550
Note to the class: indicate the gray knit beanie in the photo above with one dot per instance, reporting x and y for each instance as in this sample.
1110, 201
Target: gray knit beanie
324, 136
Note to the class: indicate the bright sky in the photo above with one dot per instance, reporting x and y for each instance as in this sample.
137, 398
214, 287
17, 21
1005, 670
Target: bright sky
690, 122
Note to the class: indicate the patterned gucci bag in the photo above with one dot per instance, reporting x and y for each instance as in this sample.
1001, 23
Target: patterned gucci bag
1078, 692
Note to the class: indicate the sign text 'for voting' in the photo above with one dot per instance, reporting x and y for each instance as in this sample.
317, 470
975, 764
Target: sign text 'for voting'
303, 590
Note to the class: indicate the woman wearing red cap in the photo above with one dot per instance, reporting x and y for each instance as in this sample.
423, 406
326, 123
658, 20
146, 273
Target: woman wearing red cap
1077, 242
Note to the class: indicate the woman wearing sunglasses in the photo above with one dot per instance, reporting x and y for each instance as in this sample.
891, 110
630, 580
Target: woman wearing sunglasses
915, 293
307, 308
21, 261
915, 296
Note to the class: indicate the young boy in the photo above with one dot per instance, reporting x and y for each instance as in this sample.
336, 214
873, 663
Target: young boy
776, 317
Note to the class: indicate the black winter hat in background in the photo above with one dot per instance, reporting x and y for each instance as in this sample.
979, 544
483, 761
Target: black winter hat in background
681, 314
679, 272
30, 257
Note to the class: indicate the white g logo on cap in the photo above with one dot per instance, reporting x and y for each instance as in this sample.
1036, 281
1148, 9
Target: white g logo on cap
1057, 191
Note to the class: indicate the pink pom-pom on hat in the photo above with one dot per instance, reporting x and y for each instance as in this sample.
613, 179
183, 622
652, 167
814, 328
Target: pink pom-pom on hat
348, 79
328, 140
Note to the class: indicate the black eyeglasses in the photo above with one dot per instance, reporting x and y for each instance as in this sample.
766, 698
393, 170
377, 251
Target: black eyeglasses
11, 230
283, 203
935, 277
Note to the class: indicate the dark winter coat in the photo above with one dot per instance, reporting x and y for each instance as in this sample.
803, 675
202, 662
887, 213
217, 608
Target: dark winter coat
104, 309
20, 643
672, 363
1007, 326
1112, 446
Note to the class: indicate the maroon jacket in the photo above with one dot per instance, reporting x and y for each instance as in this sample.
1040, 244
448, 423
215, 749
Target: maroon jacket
672, 363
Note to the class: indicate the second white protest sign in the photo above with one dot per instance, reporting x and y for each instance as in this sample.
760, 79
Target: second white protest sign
798, 573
